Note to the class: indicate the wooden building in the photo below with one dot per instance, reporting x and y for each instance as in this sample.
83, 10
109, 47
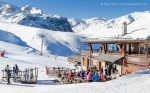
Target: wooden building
128, 54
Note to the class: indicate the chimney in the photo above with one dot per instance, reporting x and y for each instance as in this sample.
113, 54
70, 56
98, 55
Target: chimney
124, 28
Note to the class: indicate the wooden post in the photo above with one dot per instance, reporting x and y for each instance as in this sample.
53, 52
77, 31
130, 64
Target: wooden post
91, 52
99, 66
91, 49
3, 73
139, 55
35, 73
105, 48
129, 48
147, 52
125, 48
87, 63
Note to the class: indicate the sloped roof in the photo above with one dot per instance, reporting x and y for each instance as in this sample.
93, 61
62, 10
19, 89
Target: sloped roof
114, 40
108, 57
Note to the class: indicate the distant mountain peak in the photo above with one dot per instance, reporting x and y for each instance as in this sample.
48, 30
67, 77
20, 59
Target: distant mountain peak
8, 8
96, 19
32, 10
34, 17
137, 22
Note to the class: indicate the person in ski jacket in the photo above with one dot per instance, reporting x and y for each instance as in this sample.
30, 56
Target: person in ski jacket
17, 69
89, 77
14, 73
96, 77
70, 76
82, 73
8, 73
14, 69
101, 76
2, 54
87, 72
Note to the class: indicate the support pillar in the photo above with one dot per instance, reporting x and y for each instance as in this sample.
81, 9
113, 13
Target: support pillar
129, 48
90, 56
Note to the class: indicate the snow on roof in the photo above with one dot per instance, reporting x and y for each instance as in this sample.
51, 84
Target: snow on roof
108, 57
113, 40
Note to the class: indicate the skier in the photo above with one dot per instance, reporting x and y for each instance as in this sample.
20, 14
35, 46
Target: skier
2, 54
14, 74
8, 73
15, 71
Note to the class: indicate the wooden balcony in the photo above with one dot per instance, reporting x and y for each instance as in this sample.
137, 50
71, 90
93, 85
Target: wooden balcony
97, 53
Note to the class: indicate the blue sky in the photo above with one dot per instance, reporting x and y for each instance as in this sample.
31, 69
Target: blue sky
86, 8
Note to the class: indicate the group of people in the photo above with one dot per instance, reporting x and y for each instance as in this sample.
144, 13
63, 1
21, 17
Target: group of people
95, 75
84, 75
91, 75
11, 73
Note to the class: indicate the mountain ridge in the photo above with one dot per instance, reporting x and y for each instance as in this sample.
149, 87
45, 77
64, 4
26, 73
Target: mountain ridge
101, 27
34, 17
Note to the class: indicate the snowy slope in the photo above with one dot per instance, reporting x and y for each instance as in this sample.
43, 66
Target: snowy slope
11, 38
34, 17
55, 42
25, 57
138, 23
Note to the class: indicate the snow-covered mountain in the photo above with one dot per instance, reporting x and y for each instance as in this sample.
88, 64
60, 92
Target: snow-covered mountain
55, 42
79, 25
34, 17
138, 23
